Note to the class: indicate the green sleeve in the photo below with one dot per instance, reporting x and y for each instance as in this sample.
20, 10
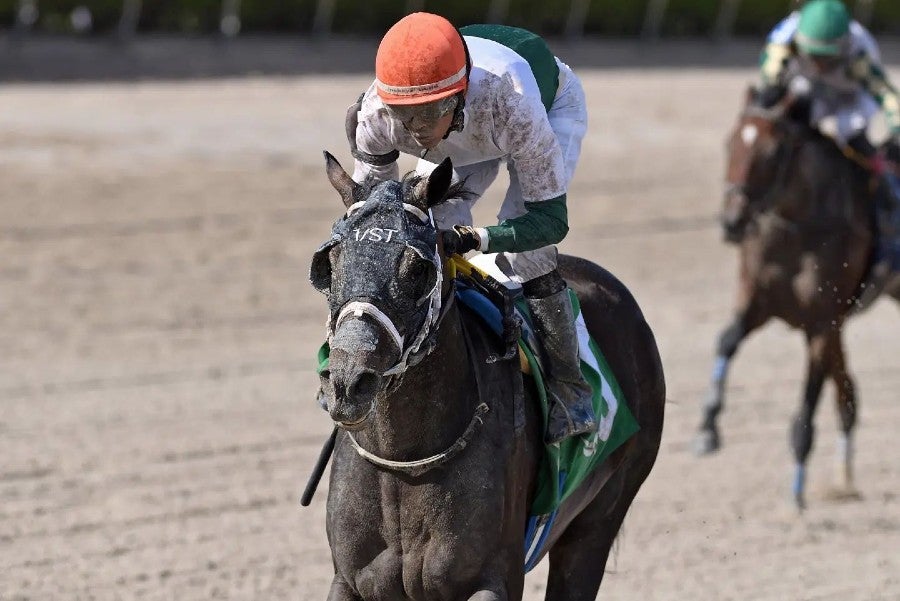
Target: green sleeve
545, 223
876, 83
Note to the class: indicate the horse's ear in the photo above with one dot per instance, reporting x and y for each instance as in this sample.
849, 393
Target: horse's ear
438, 183
340, 179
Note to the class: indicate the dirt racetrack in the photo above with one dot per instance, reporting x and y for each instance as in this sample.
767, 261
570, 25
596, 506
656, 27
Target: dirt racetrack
157, 337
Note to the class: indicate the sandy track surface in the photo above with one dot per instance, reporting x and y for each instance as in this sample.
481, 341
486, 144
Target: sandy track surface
157, 337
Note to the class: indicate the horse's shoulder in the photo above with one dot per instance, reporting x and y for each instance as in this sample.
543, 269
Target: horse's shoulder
501, 383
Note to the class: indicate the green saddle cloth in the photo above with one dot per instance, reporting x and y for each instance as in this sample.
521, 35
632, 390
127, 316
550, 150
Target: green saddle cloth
566, 465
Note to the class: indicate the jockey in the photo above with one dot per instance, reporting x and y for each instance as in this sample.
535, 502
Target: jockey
483, 95
822, 53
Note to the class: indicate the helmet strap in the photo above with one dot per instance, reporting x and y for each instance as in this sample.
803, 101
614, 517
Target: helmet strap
458, 121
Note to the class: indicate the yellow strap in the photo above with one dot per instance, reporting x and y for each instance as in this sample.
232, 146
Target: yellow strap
524, 365
458, 264
857, 157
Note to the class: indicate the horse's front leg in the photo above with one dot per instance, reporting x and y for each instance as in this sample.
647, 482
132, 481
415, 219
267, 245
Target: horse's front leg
490, 595
341, 591
847, 406
744, 322
820, 347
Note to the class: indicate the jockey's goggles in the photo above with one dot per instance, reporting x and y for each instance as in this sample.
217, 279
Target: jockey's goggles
422, 113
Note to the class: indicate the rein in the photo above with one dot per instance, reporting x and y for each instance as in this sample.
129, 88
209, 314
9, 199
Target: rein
422, 346
777, 113
418, 467
771, 213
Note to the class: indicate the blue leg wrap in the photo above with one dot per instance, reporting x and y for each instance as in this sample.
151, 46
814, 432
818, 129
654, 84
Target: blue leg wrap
799, 481
720, 369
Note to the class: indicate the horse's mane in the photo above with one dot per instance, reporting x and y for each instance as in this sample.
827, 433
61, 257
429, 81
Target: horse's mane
412, 179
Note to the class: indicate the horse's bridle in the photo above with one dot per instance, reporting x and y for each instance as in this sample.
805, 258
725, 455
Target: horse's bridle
422, 345
761, 205
412, 353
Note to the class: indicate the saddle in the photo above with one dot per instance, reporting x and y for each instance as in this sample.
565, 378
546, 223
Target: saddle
499, 303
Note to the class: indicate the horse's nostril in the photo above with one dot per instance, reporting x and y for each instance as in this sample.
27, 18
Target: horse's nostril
366, 385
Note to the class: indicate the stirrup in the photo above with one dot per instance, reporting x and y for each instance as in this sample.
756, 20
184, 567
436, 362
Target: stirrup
574, 421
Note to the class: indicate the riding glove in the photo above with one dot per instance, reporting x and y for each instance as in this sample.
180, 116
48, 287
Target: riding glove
460, 240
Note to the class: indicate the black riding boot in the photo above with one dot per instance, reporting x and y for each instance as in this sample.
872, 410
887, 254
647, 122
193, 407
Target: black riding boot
886, 211
571, 403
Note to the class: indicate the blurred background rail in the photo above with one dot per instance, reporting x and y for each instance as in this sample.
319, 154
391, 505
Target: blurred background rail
64, 40
649, 19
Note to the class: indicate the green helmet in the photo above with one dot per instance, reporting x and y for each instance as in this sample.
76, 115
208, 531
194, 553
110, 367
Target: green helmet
824, 28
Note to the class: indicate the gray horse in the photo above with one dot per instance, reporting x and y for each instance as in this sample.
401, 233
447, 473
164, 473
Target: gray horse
436, 462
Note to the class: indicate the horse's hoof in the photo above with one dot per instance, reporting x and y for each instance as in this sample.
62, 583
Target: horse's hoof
843, 494
706, 442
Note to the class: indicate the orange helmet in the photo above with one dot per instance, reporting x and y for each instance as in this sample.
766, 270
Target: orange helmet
420, 59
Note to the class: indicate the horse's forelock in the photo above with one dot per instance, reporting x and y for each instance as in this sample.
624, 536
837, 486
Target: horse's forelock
413, 190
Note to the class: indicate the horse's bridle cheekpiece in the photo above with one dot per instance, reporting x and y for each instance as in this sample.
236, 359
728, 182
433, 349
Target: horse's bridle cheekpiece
393, 228
409, 354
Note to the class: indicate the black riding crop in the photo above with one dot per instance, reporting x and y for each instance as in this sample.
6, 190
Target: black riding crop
319, 469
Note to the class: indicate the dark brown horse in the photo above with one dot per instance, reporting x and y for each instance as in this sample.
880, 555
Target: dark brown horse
801, 213
436, 461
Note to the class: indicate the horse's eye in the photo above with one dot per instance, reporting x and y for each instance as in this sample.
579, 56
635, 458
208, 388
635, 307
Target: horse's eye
416, 275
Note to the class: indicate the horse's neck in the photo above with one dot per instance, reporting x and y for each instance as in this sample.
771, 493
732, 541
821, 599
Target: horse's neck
433, 402
825, 188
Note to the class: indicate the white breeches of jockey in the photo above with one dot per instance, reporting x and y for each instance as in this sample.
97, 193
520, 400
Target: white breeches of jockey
568, 120
843, 119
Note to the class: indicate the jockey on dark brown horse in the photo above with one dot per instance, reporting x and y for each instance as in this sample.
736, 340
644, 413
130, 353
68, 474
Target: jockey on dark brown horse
821, 53
481, 96
801, 212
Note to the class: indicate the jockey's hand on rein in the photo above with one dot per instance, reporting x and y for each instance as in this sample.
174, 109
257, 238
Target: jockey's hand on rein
460, 240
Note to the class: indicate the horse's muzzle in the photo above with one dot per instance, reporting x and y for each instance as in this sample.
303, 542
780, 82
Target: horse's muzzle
735, 215
733, 232
350, 396
355, 367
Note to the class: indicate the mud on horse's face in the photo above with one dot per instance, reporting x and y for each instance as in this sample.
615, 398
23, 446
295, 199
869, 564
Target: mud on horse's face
381, 272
